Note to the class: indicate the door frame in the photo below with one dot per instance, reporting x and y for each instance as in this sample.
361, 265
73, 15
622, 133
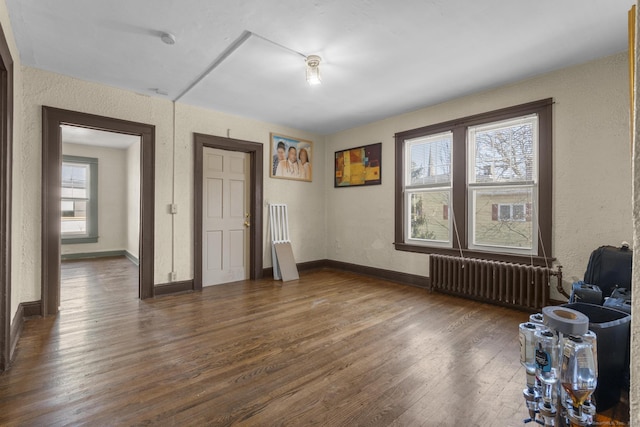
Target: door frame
256, 158
52, 118
6, 171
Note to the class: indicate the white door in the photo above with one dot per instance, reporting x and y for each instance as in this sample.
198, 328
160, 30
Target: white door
225, 217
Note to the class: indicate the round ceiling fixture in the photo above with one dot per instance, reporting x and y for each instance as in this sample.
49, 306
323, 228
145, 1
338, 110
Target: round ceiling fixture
313, 69
168, 38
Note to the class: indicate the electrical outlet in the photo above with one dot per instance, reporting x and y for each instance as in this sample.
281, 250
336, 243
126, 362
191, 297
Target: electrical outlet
173, 276
173, 208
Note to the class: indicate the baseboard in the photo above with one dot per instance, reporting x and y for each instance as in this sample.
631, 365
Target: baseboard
88, 255
32, 308
173, 288
131, 257
17, 324
25, 310
393, 276
302, 266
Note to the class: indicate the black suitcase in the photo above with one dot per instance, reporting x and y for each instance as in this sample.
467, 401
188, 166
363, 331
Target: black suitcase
609, 267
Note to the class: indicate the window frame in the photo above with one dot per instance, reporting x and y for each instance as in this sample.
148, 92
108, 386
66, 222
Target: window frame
92, 202
459, 205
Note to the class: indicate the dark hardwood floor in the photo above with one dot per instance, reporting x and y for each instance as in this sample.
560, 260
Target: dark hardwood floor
332, 349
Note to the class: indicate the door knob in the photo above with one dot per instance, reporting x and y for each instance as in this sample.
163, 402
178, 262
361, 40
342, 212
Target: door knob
247, 224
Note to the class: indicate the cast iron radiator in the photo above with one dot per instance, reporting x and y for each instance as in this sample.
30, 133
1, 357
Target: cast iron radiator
515, 285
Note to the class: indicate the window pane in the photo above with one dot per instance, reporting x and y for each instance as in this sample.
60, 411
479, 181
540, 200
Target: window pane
430, 159
517, 212
75, 180
74, 217
502, 217
430, 216
504, 152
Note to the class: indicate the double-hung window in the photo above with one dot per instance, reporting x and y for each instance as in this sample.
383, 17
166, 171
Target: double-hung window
479, 185
79, 200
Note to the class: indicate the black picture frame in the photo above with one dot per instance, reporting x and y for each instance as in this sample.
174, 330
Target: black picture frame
358, 166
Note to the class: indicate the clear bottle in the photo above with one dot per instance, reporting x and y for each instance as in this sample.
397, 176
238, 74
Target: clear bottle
579, 375
547, 365
527, 337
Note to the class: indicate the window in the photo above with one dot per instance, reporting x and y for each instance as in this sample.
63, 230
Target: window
428, 189
479, 184
510, 212
79, 201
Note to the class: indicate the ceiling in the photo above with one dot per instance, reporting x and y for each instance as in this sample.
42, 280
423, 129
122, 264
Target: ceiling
97, 138
380, 58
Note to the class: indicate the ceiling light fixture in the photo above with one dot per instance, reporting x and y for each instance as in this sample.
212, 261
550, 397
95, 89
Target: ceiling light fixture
168, 38
313, 69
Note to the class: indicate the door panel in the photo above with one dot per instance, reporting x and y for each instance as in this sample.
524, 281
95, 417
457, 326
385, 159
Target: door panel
225, 216
214, 198
213, 246
237, 199
236, 248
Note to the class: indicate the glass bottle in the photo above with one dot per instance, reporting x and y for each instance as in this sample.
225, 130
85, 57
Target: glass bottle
527, 352
547, 363
579, 375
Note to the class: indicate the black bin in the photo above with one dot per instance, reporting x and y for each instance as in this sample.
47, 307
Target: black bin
612, 329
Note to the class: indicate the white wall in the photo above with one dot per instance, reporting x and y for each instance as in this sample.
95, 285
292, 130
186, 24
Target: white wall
112, 198
591, 170
133, 200
306, 200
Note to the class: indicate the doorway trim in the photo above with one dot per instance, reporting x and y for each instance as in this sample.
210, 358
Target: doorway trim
255, 151
52, 118
6, 172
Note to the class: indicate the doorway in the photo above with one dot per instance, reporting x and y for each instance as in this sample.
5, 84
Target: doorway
234, 149
53, 119
100, 227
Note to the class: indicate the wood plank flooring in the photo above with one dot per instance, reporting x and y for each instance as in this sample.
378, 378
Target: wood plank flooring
331, 349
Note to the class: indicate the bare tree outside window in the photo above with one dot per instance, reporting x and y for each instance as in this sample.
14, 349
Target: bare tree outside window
503, 182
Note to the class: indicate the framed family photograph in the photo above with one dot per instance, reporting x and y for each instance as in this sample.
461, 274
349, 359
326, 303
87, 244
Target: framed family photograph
292, 158
359, 166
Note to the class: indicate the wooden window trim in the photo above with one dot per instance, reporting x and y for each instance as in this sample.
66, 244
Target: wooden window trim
543, 108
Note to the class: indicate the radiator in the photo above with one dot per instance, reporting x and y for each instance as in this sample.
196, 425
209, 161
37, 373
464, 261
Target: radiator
515, 285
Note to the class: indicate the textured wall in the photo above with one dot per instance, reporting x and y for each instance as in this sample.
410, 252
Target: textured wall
133, 200
112, 200
306, 200
634, 393
592, 170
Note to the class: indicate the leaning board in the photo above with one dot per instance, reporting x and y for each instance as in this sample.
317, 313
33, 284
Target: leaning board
288, 268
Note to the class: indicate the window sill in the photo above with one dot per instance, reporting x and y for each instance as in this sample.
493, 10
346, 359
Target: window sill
74, 240
493, 256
